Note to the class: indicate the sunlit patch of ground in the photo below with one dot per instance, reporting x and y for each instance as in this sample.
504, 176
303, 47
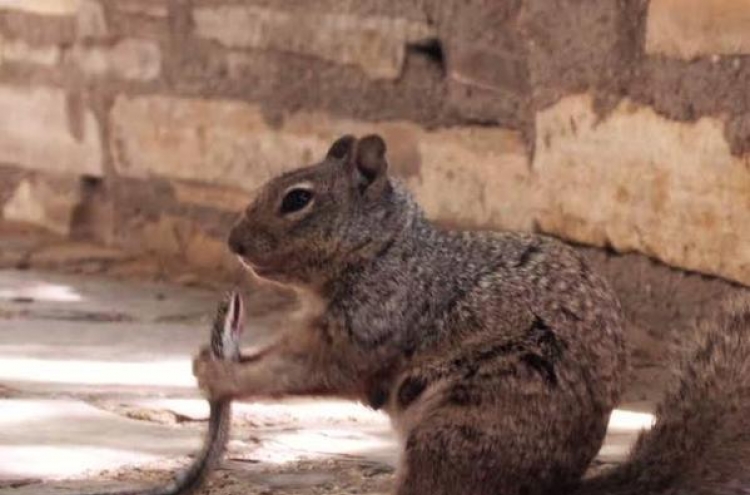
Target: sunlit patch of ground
96, 391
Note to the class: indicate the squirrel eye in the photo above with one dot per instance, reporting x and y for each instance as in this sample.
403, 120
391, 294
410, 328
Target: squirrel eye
295, 200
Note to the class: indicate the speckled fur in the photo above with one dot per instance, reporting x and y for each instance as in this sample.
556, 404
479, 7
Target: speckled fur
498, 356
700, 444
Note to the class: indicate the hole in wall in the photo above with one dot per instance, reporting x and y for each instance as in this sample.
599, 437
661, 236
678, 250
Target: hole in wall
86, 220
430, 48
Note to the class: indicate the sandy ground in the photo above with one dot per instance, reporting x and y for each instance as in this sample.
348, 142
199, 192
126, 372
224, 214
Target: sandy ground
96, 391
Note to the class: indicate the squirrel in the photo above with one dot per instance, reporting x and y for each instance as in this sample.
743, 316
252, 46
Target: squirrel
498, 356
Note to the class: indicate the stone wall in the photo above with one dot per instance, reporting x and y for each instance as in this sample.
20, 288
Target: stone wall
147, 124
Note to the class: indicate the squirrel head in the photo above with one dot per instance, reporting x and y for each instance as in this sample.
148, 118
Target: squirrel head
309, 224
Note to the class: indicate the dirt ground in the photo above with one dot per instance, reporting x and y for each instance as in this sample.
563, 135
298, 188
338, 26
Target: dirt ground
139, 322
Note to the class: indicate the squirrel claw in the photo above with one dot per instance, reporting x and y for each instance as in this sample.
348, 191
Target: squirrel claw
217, 379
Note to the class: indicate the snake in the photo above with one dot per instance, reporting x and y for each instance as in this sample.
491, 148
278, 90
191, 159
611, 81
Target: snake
226, 330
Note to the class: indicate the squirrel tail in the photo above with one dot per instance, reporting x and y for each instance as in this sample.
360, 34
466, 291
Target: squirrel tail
700, 442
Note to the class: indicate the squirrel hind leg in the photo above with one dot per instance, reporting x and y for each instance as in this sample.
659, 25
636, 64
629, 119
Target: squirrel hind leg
438, 460
455, 451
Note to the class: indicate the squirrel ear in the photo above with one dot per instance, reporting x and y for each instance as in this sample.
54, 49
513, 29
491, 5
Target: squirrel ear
370, 157
342, 147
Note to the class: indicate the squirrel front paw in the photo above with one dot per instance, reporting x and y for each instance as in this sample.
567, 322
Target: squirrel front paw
217, 379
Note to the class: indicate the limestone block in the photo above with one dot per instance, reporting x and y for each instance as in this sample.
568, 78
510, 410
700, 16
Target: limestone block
180, 239
38, 132
472, 174
45, 7
90, 20
146, 8
19, 51
46, 202
87, 15
376, 44
131, 59
694, 28
211, 196
638, 181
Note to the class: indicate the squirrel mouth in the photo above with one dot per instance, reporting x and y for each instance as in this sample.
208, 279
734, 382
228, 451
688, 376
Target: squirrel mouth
257, 269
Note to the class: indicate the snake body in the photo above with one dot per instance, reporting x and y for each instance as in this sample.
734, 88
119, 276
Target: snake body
224, 344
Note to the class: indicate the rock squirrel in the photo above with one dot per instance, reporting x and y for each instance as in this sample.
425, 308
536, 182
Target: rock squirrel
498, 356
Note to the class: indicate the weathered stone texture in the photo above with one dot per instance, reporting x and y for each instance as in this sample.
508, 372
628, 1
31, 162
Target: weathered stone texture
573, 46
486, 69
211, 196
46, 7
146, 8
470, 175
638, 181
19, 51
131, 59
376, 44
284, 83
202, 101
696, 28
477, 177
37, 131
38, 30
182, 240
221, 142
147, 19
86, 16
48, 202
91, 22
488, 86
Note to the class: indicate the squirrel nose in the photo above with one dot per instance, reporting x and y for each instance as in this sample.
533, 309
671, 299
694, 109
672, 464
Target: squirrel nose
235, 244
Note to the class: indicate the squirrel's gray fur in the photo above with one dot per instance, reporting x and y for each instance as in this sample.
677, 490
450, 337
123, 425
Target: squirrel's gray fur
498, 356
